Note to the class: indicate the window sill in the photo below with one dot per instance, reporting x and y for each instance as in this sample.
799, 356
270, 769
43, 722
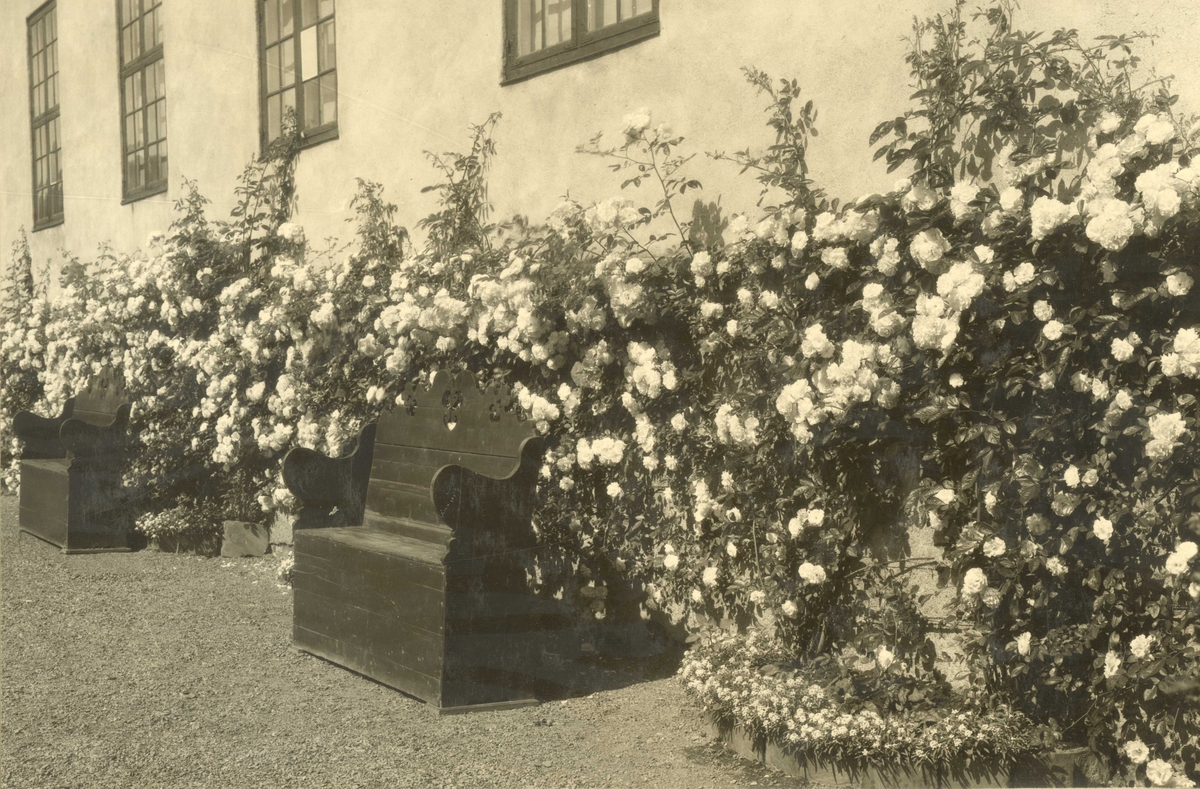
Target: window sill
520, 69
46, 224
142, 194
319, 135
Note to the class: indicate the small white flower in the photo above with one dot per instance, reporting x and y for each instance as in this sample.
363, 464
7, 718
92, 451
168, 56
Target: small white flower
790, 609
1179, 283
1121, 350
1071, 476
1159, 772
1103, 529
671, 561
994, 547
710, 576
1136, 751
1140, 646
678, 422
974, 582
1112, 664
1053, 330
1042, 310
945, 496
956, 380
885, 657
812, 282
731, 549
614, 490
816, 517
1023, 642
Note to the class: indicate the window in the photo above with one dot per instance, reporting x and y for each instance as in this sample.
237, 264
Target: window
299, 68
540, 35
143, 98
43, 110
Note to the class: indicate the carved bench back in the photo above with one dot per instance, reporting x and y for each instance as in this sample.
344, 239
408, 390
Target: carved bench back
452, 422
99, 403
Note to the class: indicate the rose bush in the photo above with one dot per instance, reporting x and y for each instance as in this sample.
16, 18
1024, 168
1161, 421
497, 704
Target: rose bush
747, 414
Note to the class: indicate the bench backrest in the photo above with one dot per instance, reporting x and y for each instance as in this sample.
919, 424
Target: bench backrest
99, 402
451, 422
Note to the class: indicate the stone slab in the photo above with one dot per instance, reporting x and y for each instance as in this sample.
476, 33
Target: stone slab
244, 539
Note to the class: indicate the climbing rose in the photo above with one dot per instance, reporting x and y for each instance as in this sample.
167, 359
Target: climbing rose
1023, 642
1137, 751
1140, 646
1159, 772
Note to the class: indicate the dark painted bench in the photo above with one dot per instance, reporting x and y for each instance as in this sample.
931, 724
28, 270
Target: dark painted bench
408, 551
71, 467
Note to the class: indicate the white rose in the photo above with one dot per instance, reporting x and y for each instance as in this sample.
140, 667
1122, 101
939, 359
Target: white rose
1023, 642
974, 582
1137, 751
1140, 646
1103, 529
994, 547
790, 609
671, 561
710, 576
885, 657
1053, 330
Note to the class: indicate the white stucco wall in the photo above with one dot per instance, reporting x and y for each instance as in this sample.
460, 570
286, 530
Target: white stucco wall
412, 81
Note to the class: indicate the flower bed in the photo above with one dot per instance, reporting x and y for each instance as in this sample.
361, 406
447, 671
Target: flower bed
819, 726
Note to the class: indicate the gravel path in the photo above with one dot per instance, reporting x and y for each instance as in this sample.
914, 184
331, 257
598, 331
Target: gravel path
151, 670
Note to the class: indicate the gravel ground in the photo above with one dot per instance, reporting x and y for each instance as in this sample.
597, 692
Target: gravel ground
150, 670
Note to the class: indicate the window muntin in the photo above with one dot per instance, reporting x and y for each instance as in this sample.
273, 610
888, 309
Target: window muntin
43, 110
299, 68
143, 98
541, 35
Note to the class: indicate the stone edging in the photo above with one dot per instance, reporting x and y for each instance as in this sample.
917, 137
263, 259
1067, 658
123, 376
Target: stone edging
1062, 768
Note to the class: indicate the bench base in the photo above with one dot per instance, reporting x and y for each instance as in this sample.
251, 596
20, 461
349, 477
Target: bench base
75, 509
385, 606
72, 551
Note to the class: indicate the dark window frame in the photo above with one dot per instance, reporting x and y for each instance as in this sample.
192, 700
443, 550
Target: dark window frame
583, 44
308, 137
39, 121
137, 66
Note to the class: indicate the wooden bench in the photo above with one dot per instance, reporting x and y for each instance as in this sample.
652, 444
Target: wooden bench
408, 552
71, 469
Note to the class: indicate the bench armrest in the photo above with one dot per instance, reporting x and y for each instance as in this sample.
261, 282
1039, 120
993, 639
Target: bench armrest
332, 491
40, 433
489, 517
85, 440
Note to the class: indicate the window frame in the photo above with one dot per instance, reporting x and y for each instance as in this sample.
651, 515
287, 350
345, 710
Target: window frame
309, 137
583, 44
37, 122
125, 70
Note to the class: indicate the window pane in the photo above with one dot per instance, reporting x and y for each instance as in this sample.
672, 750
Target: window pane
327, 58
312, 104
52, 90
129, 93
38, 107
152, 164
151, 30
160, 77
39, 35
138, 95
139, 128
601, 13
162, 159
158, 25
524, 27
50, 18
52, 127
271, 20
162, 119
151, 85
272, 68
308, 53
274, 103
56, 197
135, 31
130, 133
38, 70
126, 45
152, 122
537, 36
130, 171
37, 144
329, 98
287, 17
626, 9
288, 50
127, 10
289, 103
326, 8
308, 13
558, 21
53, 50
